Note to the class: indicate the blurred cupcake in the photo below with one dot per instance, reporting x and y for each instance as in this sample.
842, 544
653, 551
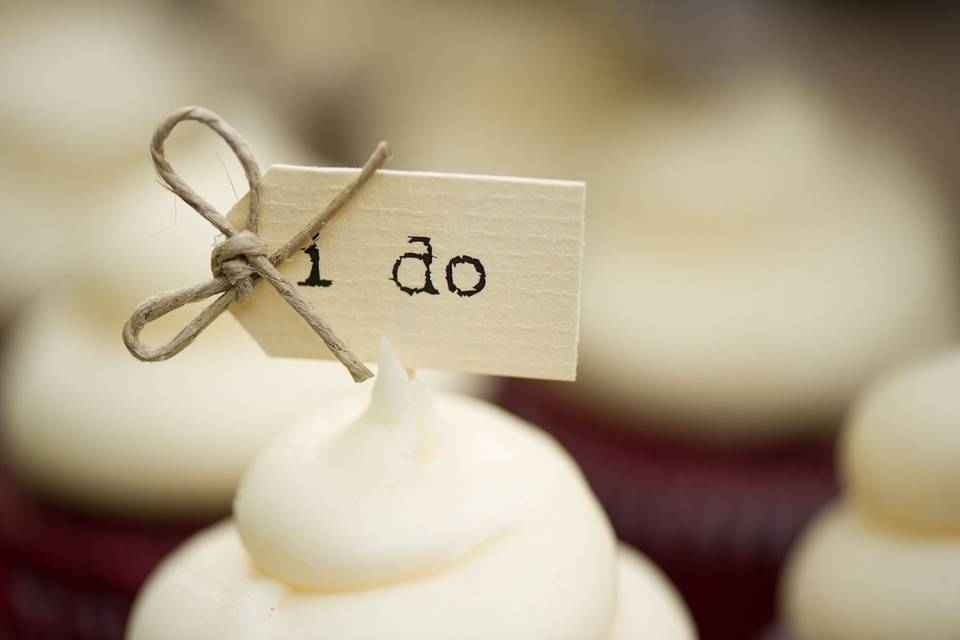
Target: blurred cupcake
445, 82
106, 463
503, 89
83, 85
753, 259
883, 562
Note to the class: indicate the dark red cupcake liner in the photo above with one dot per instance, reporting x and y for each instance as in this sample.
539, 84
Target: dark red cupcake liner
71, 576
774, 632
718, 522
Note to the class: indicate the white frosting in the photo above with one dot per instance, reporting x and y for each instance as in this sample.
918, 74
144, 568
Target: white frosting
901, 449
519, 108
417, 476
88, 424
648, 607
85, 85
30, 256
753, 260
83, 88
416, 517
529, 108
885, 562
850, 579
85, 422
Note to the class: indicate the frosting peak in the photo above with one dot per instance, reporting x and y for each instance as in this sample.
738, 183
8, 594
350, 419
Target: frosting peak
395, 493
402, 404
393, 393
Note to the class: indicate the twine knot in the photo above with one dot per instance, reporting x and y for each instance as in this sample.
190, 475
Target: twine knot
230, 258
241, 260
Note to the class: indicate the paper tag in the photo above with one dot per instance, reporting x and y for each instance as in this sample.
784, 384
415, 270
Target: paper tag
462, 273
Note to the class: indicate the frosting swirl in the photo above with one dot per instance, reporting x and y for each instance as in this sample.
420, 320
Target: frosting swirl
900, 453
884, 562
416, 517
312, 508
735, 283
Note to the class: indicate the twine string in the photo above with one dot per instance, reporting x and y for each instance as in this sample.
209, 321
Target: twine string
240, 261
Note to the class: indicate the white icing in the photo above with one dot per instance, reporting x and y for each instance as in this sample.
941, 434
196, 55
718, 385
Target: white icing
648, 607
310, 507
86, 423
531, 108
417, 517
528, 104
902, 446
83, 88
753, 260
850, 579
884, 563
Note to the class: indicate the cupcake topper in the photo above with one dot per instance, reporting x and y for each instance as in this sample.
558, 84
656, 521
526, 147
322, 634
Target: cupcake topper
469, 273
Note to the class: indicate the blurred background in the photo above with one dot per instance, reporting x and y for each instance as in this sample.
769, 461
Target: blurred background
772, 211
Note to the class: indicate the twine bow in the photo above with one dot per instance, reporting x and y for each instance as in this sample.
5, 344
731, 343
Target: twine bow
241, 260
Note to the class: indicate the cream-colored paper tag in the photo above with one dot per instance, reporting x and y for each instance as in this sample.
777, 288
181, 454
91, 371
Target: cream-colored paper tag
462, 273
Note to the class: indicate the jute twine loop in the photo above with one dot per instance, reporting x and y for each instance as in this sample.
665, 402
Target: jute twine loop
241, 260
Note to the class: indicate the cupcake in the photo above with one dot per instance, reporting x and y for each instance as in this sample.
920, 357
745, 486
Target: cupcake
883, 561
416, 517
502, 89
465, 87
106, 463
762, 258
82, 84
